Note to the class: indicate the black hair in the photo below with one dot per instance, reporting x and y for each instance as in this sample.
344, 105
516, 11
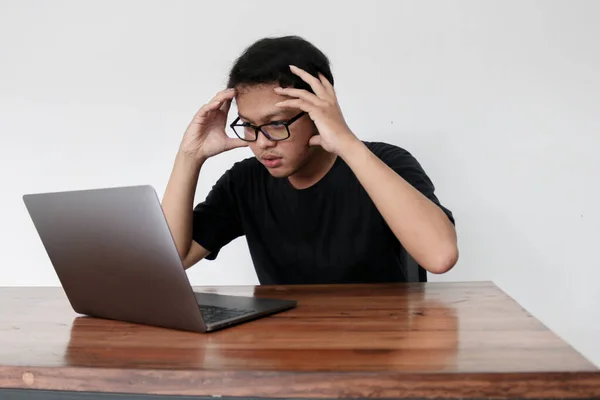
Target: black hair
268, 61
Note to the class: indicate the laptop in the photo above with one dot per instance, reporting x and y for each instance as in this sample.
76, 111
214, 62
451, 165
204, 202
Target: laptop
116, 259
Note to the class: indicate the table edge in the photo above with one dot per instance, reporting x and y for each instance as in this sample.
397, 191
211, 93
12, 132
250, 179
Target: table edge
286, 384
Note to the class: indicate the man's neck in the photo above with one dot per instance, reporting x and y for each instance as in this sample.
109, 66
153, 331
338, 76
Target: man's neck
315, 169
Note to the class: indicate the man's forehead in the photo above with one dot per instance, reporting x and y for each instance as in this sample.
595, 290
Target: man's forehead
258, 118
256, 88
256, 104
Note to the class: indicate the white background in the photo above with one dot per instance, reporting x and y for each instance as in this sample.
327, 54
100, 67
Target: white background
499, 101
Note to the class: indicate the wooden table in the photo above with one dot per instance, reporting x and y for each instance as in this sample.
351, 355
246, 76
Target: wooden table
444, 340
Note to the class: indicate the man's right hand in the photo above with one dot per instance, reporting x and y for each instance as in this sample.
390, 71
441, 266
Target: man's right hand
205, 136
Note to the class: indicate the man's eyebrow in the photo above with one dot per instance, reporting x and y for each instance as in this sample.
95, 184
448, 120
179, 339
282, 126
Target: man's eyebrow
266, 117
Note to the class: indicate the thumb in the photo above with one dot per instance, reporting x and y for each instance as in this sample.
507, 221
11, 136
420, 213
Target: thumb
315, 141
233, 143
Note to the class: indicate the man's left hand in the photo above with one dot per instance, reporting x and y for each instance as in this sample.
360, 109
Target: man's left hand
323, 109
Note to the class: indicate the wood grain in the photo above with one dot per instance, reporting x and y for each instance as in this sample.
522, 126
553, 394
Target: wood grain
388, 341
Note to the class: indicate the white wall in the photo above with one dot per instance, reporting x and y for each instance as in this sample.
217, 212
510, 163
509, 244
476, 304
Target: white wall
499, 100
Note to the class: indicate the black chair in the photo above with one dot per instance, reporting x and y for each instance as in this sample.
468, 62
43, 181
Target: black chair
414, 272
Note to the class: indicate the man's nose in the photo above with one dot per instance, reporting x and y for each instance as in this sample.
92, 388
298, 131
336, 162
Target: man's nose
263, 141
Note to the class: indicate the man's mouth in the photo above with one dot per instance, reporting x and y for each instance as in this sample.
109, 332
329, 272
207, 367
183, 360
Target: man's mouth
271, 161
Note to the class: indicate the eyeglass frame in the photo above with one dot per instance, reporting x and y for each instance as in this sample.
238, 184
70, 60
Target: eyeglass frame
259, 127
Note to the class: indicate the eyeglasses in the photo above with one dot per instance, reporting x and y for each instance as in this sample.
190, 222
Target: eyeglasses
275, 131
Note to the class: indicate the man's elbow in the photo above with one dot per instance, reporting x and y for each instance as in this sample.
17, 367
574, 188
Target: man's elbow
443, 261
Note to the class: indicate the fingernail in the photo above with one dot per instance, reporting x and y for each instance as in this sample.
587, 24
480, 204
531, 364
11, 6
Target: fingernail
293, 66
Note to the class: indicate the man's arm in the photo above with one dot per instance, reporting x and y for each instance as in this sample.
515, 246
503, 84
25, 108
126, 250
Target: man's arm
420, 225
177, 205
204, 137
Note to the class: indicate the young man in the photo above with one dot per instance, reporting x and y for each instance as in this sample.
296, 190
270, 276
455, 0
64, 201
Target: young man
316, 204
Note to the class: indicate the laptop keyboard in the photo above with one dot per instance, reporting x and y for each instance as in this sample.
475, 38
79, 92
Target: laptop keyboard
212, 314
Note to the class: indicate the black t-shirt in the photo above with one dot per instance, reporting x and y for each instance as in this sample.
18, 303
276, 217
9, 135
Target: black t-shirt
330, 232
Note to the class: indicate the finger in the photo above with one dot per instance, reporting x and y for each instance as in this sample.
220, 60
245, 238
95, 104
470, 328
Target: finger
207, 108
226, 105
315, 140
314, 83
301, 94
205, 111
233, 143
224, 95
296, 103
326, 84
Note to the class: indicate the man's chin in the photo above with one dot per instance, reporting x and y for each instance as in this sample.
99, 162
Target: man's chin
285, 170
282, 171
279, 172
